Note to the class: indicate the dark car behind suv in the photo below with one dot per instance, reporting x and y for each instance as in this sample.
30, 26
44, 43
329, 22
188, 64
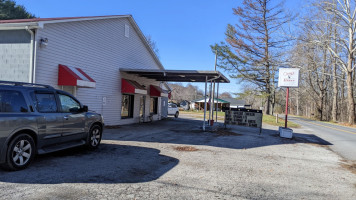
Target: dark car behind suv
38, 119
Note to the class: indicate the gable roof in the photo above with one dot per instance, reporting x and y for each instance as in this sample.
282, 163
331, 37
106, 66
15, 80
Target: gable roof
216, 100
231, 101
235, 102
35, 23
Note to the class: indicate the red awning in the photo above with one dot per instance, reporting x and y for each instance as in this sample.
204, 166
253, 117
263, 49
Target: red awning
156, 91
73, 76
132, 87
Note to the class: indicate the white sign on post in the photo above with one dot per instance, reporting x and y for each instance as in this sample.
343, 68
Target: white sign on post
288, 77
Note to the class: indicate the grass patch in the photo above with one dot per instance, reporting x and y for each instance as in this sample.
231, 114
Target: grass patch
271, 120
339, 124
327, 122
267, 119
201, 112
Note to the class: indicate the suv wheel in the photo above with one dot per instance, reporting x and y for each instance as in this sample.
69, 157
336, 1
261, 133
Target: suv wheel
176, 115
20, 152
94, 138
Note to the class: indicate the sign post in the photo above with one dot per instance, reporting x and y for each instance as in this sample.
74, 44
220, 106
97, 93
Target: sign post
288, 77
287, 97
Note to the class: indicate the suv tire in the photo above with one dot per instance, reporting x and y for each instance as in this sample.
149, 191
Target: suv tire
176, 115
20, 152
94, 137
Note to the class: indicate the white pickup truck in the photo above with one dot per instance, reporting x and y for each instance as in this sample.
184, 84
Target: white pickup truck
173, 110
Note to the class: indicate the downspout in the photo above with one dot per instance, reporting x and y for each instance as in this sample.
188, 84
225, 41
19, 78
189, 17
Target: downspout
32, 56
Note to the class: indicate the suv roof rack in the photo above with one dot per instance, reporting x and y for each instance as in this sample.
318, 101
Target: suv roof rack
24, 84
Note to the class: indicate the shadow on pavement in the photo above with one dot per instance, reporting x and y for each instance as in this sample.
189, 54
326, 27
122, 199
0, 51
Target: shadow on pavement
188, 132
110, 163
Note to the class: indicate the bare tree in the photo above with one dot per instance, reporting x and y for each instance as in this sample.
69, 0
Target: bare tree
345, 12
153, 44
180, 93
225, 95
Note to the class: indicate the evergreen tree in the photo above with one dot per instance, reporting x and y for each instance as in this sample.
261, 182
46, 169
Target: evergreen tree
9, 10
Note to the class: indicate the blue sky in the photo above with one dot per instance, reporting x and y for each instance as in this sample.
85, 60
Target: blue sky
182, 29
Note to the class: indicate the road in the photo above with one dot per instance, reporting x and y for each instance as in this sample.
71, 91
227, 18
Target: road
343, 139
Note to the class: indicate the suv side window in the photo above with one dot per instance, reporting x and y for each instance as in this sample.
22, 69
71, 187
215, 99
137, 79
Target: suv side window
12, 101
45, 102
68, 104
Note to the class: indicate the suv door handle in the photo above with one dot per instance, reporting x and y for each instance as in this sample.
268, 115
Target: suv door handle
65, 117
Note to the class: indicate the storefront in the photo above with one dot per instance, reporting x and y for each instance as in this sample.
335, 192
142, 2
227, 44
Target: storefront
106, 62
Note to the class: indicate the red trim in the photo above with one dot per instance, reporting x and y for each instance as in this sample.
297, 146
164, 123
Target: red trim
155, 91
126, 87
169, 95
67, 76
86, 75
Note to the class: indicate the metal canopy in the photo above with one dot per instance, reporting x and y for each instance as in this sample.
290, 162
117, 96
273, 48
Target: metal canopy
178, 75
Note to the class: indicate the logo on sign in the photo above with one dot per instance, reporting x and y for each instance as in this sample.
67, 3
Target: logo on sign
288, 77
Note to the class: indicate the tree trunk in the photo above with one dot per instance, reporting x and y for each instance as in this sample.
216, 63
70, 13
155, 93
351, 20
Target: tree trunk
321, 105
350, 98
266, 59
343, 88
268, 105
350, 95
335, 94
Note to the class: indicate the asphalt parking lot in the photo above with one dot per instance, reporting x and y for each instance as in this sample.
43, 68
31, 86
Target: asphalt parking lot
174, 159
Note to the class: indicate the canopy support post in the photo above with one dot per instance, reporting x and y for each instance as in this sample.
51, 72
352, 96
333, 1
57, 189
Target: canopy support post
206, 82
217, 103
213, 102
210, 101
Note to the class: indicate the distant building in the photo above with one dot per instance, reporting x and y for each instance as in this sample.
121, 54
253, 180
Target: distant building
184, 104
235, 103
223, 103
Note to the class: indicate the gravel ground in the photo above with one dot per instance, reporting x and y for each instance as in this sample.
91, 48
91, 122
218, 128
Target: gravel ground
173, 159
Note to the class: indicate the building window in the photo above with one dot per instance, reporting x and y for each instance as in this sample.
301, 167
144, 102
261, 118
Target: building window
68, 104
127, 106
153, 106
45, 103
12, 101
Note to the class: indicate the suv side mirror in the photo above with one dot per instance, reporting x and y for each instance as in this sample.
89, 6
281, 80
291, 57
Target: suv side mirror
85, 108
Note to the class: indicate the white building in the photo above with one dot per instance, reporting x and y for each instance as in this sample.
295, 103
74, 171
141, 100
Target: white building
83, 56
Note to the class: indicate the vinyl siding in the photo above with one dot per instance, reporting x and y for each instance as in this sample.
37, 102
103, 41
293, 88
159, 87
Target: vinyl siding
100, 48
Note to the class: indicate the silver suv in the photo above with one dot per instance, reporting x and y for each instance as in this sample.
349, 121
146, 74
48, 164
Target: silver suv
38, 119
